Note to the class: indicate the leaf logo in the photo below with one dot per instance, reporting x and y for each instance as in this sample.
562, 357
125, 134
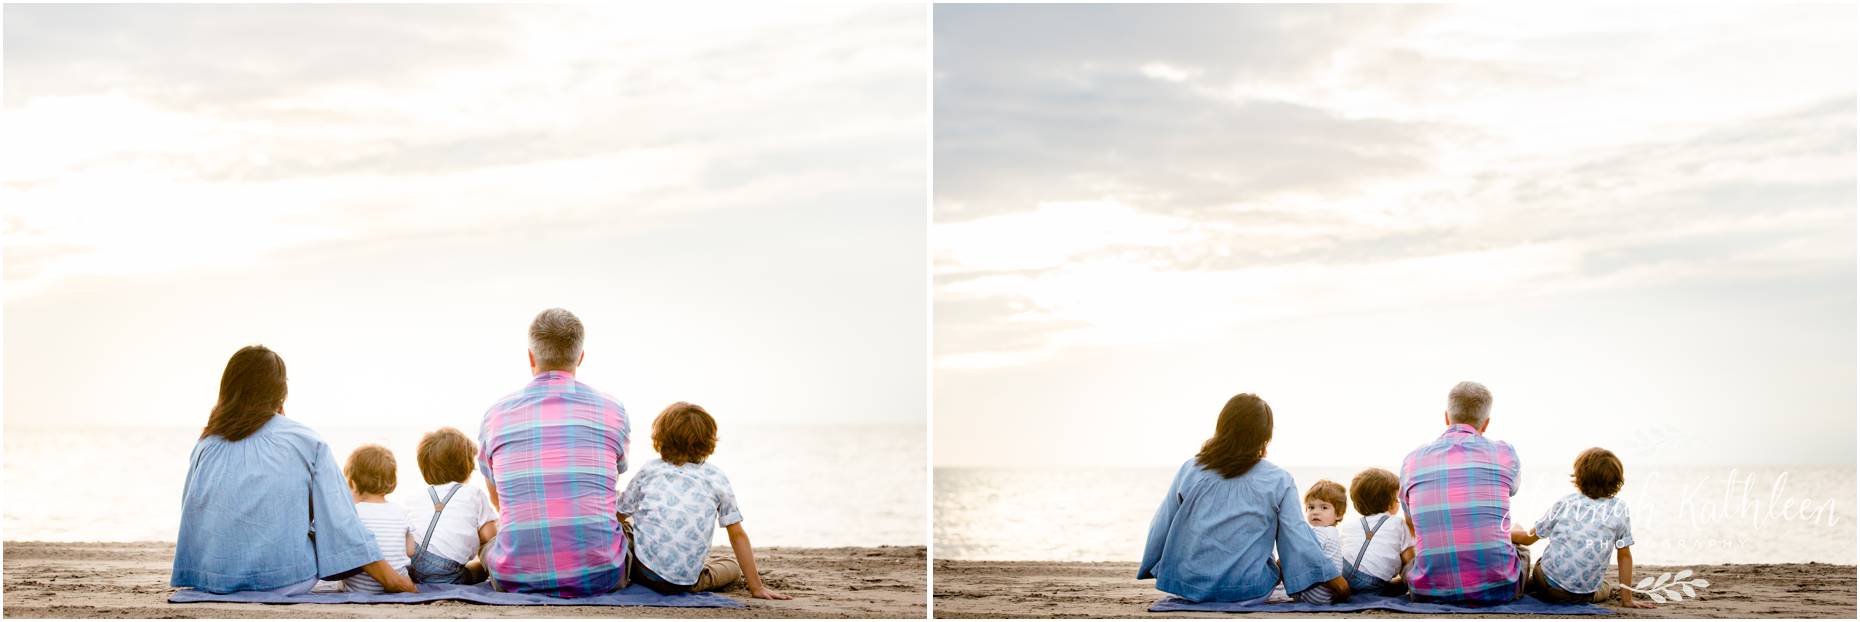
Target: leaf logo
1669, 587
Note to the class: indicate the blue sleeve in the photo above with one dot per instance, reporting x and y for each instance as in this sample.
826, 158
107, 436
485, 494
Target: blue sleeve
1159, 527
635, 489
727, 511
1547, 526
1624, 536
342, 543
1301, 558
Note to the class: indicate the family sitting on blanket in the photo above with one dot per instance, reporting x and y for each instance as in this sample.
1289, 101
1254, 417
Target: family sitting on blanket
1228, 510
266, 509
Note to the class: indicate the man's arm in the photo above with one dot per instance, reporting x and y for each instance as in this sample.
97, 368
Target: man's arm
1407, 515
484, 462
626, 433
1407, 554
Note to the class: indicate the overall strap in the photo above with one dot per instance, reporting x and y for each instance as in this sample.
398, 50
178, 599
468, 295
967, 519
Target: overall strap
439, 507
1368, 534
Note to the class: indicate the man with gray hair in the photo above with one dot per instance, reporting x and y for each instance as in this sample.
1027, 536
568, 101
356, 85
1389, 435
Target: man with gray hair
1456, 493
552, 454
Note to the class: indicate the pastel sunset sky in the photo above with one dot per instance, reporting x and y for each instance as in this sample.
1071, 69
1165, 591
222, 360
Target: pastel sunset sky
732, 201
1636, 226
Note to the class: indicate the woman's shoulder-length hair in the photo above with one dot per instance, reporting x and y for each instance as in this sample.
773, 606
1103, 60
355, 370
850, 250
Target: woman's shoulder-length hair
1240, 437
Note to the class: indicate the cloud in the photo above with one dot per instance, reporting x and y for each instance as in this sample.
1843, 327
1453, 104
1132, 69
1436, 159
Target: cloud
237, 56
1090, 101
1008, 43
146, 138
1148, 175
1153, 141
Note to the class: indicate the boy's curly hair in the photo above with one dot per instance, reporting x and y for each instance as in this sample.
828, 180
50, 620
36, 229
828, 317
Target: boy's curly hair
1599, 474
684, 433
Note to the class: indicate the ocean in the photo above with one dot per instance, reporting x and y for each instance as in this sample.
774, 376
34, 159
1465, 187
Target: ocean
800, 486
1680, 515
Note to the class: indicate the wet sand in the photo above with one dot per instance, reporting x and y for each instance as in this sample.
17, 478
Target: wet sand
130, 580
972, 589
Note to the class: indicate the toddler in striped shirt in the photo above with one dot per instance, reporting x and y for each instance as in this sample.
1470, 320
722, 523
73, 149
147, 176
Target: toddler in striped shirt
370, 472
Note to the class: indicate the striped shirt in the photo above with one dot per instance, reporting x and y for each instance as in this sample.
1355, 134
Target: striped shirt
1458, 491
554, 452
390, 527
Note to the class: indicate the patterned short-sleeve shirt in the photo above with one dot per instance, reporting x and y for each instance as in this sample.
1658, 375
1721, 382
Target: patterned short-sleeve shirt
554, 451
1458, 491
672, 508
1582, 533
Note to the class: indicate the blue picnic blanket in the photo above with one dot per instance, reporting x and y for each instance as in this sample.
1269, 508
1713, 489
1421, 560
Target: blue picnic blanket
633, 595
1361, 602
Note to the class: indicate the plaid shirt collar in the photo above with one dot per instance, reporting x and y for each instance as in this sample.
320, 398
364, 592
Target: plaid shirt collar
553, 376
1460, 429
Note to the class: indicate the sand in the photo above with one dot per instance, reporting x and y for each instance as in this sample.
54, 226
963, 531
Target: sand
970, 589
130, 580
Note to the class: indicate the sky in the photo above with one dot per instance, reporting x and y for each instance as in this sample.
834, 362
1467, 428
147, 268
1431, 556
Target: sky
732, 202
1635, 226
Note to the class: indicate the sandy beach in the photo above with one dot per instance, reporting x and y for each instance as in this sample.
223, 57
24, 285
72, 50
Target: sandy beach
969, 589
130, 580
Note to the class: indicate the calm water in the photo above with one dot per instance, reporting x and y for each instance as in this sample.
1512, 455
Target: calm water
793, 483
1681, 515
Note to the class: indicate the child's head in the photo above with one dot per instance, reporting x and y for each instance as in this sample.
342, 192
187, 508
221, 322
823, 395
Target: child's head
446, 455
1599, 474
1373, 491
684, 433
1325, 503
370, 470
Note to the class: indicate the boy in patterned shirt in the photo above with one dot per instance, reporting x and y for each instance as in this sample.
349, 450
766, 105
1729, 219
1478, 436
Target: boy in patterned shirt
671, 503
1582, 529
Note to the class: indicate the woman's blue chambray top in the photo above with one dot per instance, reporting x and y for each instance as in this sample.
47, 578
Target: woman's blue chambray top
1212, 539
247, 508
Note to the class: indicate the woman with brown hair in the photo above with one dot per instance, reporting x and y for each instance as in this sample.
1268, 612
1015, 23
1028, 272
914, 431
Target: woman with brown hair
1228, 509
266, 507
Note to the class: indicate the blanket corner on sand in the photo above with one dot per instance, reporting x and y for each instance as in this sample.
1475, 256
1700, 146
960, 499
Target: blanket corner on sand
1526, 605
634, 595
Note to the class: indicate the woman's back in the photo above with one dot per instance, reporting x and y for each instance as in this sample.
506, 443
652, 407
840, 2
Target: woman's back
246, 514
1213, 538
